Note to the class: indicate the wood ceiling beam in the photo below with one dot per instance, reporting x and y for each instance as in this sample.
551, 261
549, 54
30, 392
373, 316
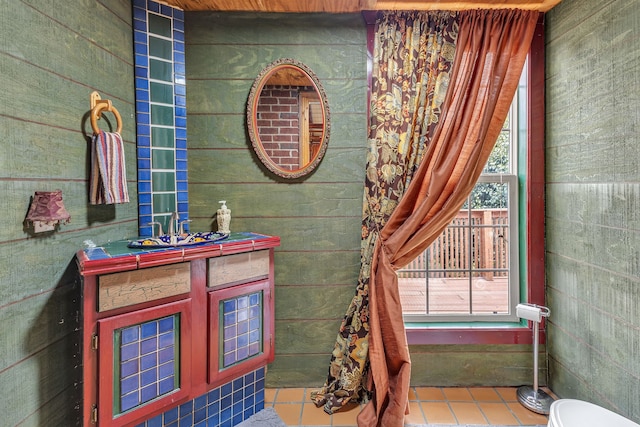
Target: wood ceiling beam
352, 6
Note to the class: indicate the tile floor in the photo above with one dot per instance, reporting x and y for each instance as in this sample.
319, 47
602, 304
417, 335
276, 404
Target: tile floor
482, 406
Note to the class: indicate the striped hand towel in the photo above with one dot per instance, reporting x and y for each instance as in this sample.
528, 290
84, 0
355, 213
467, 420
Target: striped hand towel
108, 180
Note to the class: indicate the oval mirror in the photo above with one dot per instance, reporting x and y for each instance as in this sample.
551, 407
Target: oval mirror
288, 118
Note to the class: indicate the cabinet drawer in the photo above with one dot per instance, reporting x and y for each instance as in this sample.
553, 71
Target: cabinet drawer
239, 268
134, 287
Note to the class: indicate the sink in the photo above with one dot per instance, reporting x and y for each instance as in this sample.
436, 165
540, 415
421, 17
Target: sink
178, 240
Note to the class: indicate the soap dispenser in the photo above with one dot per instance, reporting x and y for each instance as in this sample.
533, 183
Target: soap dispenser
224, 218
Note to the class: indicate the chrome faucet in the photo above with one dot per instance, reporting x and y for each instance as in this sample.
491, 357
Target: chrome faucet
153, 229
182, 223
173, 223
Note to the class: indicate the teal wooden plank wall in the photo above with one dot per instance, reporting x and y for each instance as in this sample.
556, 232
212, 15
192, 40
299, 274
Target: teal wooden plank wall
52, 56
593, 202
317, 218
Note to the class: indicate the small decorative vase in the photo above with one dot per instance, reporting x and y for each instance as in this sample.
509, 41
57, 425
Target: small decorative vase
223, 218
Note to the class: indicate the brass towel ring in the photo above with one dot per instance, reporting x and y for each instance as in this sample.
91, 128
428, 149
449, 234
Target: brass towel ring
97, 107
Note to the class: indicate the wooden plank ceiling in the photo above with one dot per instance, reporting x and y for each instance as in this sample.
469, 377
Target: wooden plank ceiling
351, 6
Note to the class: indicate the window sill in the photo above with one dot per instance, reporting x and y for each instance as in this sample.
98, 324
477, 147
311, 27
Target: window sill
470, 334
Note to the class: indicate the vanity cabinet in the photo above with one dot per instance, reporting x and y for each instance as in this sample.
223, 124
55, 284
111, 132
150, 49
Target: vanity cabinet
163, 327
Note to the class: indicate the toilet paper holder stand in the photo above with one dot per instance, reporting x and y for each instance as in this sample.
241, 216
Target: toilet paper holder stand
532, 397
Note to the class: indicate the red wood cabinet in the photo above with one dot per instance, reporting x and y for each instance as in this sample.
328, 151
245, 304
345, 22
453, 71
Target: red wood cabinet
161, 327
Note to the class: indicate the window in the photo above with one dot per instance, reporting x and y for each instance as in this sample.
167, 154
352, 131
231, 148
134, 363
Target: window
471, 271
465, 287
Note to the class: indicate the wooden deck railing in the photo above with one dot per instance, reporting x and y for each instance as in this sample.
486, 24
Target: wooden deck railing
476, 243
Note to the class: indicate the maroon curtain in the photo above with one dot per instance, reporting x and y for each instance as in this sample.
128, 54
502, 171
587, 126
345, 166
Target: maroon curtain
491, 51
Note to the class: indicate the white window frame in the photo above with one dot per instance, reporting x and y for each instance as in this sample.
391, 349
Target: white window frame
511, 178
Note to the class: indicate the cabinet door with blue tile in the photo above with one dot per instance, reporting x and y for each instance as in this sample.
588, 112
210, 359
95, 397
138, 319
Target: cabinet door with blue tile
144, 361
240, 330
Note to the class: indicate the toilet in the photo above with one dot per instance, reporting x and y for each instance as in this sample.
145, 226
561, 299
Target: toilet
577, 413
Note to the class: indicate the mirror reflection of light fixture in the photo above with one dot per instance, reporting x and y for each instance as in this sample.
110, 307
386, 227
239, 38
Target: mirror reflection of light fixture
47, 211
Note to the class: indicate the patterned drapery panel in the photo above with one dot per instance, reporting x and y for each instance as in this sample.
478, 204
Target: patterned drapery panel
413, 54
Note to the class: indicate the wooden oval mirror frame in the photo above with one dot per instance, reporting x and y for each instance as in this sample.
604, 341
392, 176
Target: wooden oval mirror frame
288, 118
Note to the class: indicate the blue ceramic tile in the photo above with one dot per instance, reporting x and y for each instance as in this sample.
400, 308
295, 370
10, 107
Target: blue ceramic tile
139, 49
148, 329
144, 187
129, 335
165, 324
229, 318
129, 384
148, 377
142, 61
213, 395
166, 385
143, 129
182, 207
141, 72
153, 6
229, 359
142, 84
138, 24
148, 393
180, 122
243, 327
166, 370
149, 361
155, 421
128, 352
129, 401
171, 415
142, 108
145, 198
229, 305
225, 390
243, 340
139, 37
149, 345
186, 408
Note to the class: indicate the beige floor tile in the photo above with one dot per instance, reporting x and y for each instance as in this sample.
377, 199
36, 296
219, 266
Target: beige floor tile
415, 414
314, 416
438, 413
289, 413
526, 416
290, 395
480, 406
467, 413
269, 396
412, 394
485, 394
508, 394
429, 393
498, 413
457, 394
